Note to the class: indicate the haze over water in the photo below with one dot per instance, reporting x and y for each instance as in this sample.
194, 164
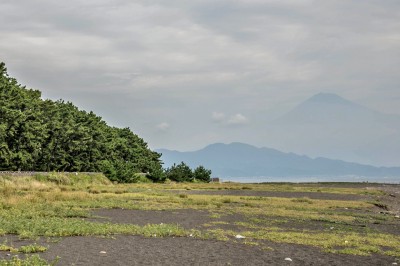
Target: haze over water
313, 179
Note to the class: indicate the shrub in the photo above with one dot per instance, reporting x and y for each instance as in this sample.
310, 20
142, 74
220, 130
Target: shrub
202, 174
180, 173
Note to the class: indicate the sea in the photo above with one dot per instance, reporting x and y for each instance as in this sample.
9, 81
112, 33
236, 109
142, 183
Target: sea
312, 179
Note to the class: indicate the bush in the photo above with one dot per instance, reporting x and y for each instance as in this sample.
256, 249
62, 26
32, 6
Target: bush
156, 173
202, 174
179, 173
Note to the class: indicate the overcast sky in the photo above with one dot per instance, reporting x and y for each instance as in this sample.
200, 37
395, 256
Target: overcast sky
184, 74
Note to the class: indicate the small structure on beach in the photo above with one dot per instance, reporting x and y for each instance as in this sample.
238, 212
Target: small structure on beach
215, 180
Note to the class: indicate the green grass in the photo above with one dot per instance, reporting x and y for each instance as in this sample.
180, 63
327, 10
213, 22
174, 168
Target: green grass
31, 228
4, 247
34, 248
33, 260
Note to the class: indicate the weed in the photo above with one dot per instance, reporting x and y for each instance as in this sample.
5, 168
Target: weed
94, 191
4, 247
32, 249
215, 215
28, 261
266, 248
380, 205
303, 200
227, 200
219, 234
251, 243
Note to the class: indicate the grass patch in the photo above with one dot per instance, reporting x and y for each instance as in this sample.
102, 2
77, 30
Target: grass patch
34, 248
31, 228
303, 200
4, 247
33, 260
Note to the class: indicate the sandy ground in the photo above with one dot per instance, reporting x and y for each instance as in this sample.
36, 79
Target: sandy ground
138, 250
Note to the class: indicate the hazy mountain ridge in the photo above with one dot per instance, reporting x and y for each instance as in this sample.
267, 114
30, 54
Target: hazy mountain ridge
239, 159
331, 108
330, 126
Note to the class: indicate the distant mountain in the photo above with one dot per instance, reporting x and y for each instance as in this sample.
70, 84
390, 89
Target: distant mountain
330, 126
243, 160
329, 108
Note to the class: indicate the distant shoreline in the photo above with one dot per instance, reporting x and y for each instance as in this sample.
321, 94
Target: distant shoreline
314, 179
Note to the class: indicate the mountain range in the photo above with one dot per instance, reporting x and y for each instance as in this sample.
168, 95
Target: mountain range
243, 160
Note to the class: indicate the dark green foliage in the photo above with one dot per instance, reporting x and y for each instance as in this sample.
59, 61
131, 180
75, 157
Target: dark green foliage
156, 173
179, 173
202, 174
45, 135
183, 173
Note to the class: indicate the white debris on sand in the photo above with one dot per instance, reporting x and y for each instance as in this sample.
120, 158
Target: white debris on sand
103, 252
288, 259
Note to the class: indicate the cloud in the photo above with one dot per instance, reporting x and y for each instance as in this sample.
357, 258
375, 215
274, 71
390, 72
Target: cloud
218, 117
222, 119
237, 119
164, 126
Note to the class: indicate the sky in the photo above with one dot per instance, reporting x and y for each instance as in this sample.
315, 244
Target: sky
183, 74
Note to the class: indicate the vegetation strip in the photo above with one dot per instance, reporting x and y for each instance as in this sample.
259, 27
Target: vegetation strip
36, 206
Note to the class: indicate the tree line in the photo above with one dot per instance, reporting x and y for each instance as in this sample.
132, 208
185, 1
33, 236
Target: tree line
46, 135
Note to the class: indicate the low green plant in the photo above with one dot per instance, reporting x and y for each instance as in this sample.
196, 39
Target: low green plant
34, 248
34, 260
4, 247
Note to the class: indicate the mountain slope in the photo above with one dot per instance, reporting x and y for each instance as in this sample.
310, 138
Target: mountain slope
328, 125
328, 108
238, 160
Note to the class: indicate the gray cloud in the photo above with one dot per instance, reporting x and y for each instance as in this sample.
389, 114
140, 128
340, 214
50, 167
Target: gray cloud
137, 63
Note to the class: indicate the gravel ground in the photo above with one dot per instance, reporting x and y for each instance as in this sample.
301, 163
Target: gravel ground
136, 250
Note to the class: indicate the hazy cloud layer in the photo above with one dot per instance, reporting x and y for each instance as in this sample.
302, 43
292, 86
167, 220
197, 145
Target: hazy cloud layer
162, 67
